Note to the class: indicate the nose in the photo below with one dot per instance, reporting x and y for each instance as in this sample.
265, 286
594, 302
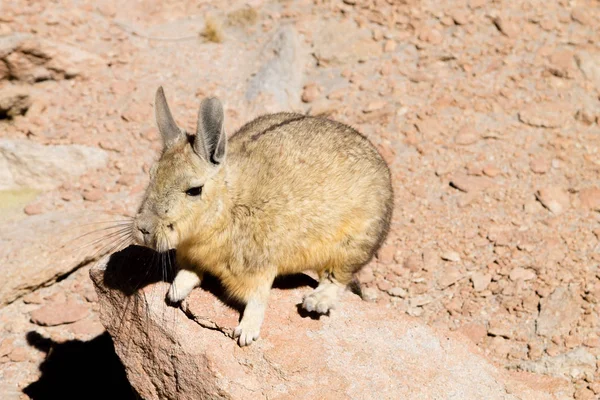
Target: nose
143, 235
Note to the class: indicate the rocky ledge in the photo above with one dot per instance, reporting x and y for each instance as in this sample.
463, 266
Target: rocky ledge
360, 351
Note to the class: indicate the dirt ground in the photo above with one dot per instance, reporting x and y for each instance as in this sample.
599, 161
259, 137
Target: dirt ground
487, 112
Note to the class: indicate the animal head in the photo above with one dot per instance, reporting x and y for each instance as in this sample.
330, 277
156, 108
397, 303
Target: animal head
187, 184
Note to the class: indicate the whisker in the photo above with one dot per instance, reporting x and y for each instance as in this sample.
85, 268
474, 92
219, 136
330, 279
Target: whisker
105, 237
120, 226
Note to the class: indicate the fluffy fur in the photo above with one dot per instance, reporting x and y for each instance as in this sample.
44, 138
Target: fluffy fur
289, 193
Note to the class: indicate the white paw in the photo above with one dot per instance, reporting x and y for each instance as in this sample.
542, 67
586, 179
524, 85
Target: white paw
321, 300
176, 294
247, 331
185, 281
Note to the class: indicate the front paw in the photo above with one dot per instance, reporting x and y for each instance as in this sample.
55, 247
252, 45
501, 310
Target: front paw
185, 281
247, 331
176, 294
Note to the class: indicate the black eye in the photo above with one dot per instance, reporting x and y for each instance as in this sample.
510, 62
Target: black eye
194, 191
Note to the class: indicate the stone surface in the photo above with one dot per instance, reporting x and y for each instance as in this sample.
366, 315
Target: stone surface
14, 100
558, 312
26, 164
554, 199
31, 59
590, 198
577, 363
39, 249
54, 314
480, 281
331, 48
169, 354
279, 79
546, 114
589, 64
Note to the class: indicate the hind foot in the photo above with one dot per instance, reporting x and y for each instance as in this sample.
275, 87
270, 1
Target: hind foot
185, 281
324, 298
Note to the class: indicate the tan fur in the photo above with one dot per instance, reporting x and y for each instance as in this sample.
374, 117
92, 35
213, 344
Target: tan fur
294, 193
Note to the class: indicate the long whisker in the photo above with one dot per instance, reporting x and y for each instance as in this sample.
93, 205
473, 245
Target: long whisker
119, 226
105, 237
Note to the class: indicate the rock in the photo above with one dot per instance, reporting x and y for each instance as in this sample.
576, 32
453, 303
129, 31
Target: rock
279, 79
546, 114
475, 332
480, 281
35, 251
34, 209
32, 59
59, 314
590, 198
14, 100
500, 327
374, 106
589, 64
460, 16
554, 199
449, 276
421, 300
389, 46
582, 15
466, 138
491, 170
469, 183
507, 27
19, 354
93, 195
574, 364
540, 165
386, 253
366, 275
26, 164
398, 292
562, 64
519, 273
355, 45
310, 93
450, 256
370, 294
559, 312
413, 263
170, 354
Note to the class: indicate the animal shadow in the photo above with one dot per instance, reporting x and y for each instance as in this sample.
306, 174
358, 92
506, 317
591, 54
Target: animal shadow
79, 370
136, 267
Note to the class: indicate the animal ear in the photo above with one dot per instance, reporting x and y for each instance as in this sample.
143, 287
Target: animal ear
169, 130
211, 141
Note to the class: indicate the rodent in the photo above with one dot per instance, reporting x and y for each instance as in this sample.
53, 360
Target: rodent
286, 193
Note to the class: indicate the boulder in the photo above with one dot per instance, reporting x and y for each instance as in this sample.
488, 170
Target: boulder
360, 351
31, 256
277, 86
26, 164
31, 59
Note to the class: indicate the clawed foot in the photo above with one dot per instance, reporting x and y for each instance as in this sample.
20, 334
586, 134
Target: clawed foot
323, 299
247, 331
183, 284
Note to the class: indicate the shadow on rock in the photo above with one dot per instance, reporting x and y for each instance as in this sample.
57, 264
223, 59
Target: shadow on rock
79, 370
136, 267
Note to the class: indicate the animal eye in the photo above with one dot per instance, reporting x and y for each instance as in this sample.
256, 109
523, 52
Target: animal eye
194, 191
